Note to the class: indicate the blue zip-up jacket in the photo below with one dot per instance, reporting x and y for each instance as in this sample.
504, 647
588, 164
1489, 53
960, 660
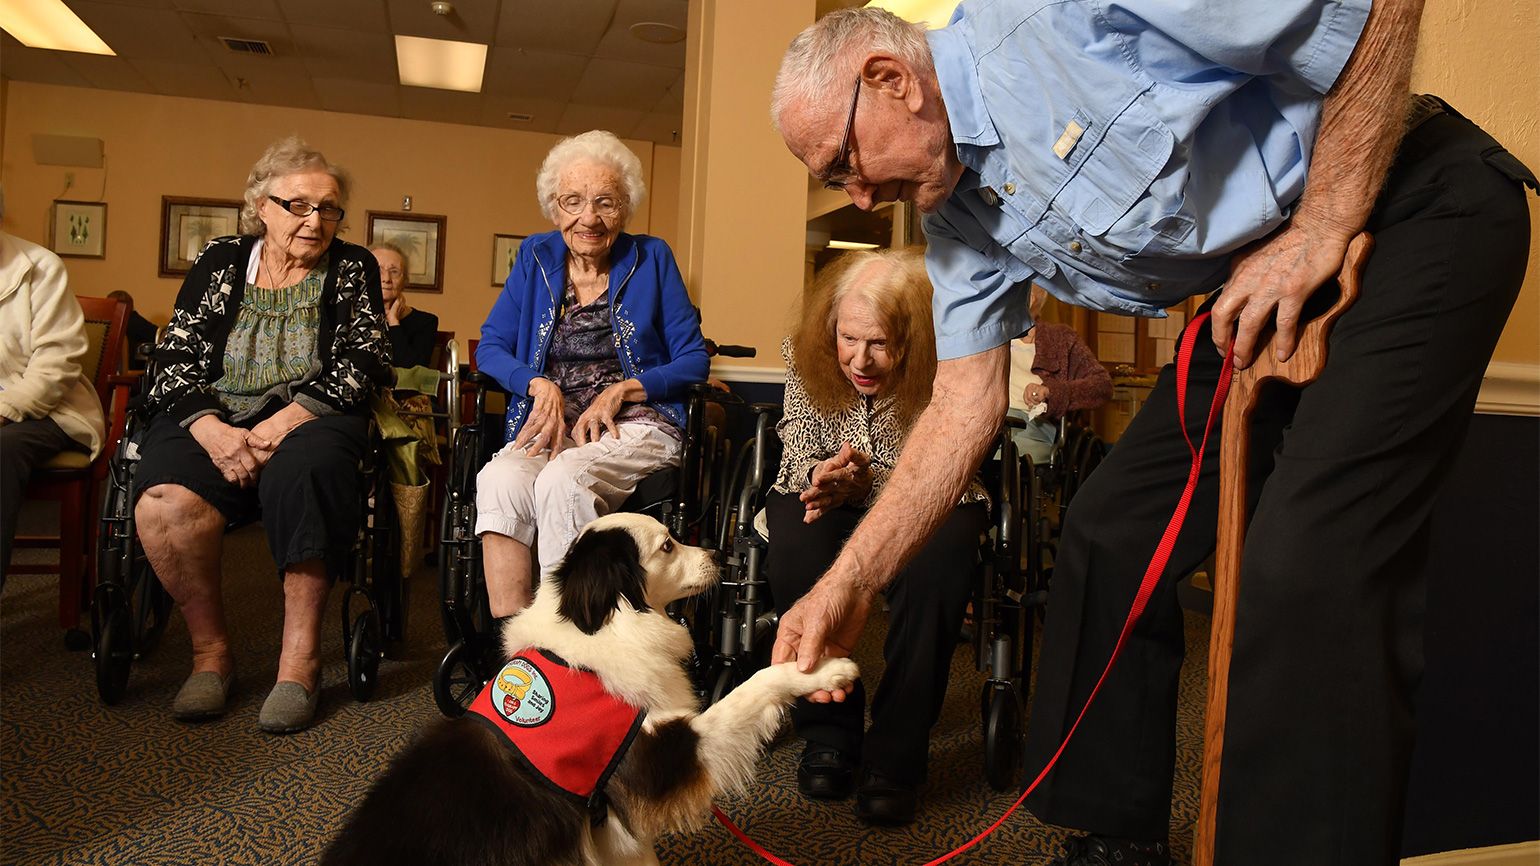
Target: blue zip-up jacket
657, 330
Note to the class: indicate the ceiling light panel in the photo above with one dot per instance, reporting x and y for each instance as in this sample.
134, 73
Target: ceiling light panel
439, 63
49, 24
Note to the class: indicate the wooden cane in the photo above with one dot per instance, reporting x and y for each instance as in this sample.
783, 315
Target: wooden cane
1302, 368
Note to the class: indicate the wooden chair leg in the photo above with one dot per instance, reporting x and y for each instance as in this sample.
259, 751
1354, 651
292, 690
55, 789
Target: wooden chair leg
71, 559
1301, 369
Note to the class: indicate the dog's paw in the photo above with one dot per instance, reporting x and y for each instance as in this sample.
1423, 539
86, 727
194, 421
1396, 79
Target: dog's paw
829, 674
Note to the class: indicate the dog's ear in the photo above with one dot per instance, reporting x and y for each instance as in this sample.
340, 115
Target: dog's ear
603, 566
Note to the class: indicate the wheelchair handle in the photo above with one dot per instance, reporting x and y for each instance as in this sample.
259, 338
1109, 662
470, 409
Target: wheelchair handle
727, 350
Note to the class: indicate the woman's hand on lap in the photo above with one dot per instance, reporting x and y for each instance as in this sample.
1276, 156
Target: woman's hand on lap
545, 428
231, 449
600, 415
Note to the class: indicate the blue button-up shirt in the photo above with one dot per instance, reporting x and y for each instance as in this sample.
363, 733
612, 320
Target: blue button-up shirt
1117, 154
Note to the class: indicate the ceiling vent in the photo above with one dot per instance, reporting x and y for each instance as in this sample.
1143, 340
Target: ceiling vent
247, 46
520, 117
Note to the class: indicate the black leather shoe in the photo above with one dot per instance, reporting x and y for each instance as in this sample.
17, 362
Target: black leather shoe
1091, 850
886, 801
825, 773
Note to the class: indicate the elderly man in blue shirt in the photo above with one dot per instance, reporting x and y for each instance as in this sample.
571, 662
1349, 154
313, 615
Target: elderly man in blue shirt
1126, 157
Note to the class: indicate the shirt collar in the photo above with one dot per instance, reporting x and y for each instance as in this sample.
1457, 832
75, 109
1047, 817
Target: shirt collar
958, 76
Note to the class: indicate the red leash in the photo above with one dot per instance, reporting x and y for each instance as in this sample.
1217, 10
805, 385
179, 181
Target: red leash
1141, 599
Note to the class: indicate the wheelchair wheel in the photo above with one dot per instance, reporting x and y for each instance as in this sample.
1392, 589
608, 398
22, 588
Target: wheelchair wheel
1002, 736
457, 681
113, 654
364, 652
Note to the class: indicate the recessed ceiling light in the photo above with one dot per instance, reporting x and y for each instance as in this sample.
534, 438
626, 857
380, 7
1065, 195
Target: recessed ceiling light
49, 24
440, 63
657, 31
851, 245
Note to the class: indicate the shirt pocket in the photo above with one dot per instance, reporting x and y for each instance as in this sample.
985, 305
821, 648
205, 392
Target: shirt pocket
1115, 175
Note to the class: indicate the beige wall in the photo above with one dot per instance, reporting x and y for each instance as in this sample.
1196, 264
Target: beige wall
745, 196
482, 179
1480, 57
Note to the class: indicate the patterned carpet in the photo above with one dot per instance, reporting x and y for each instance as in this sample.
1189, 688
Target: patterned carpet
83, 784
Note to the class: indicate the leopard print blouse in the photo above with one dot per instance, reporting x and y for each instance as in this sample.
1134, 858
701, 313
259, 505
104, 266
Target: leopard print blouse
811, 435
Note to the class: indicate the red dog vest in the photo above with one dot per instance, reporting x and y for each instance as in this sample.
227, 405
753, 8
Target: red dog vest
560, 722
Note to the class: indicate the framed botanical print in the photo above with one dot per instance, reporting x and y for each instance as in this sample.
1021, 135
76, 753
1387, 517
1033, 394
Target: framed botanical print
505, 248
188, 224
79, 229
421, 237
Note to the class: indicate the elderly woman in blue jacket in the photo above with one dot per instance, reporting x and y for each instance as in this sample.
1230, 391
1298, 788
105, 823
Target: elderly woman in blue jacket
597, 341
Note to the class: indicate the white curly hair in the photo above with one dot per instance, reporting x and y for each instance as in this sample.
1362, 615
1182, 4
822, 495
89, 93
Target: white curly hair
596, 146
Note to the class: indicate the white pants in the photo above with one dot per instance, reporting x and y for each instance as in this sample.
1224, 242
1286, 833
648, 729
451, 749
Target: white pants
534, 497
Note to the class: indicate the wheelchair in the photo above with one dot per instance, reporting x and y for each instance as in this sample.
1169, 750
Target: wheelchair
678, 497
1010, 597
130, 608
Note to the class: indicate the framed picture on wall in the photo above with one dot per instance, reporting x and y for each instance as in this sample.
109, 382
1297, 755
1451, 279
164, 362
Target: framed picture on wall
79, 229
188, 224
504, 249
421, 237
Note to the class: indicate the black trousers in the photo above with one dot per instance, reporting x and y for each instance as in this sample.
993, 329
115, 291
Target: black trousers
1328, 647
926, 603
307, 495
24, 446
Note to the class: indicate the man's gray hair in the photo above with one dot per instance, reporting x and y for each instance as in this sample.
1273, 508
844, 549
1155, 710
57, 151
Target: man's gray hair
811, 71
282, 158
597, 146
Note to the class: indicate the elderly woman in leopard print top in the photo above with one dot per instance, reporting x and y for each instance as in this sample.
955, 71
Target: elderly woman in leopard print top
858, 372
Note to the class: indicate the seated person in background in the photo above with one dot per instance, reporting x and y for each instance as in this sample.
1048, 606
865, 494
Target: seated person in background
141, 331
858, 372
46, 405
596, 340
411, 330
1053, 373
261, 398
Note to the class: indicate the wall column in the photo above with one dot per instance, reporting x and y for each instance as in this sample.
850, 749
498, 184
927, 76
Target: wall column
743, 196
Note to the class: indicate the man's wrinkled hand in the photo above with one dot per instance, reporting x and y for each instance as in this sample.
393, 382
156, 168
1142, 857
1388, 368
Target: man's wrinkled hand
827, 621
1270, 282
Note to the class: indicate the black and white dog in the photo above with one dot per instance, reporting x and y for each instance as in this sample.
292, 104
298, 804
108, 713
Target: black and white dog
460, 795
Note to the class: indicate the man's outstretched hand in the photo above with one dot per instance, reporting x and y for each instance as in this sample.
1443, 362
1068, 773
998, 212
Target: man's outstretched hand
1272, 279
826, 621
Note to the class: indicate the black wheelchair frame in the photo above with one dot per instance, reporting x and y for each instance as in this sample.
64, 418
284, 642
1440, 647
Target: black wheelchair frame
130, 608
1011, 596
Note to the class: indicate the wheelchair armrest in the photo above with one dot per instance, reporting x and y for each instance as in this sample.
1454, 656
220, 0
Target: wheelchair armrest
1011, 421
482, 380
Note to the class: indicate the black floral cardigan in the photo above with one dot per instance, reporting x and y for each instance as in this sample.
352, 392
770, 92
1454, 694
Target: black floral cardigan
352, 344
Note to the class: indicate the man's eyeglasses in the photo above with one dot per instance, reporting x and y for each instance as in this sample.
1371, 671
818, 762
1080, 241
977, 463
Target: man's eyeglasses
329, 212
604, 205
840, 174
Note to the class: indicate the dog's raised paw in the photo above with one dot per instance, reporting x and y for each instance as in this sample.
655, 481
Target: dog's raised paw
835, 673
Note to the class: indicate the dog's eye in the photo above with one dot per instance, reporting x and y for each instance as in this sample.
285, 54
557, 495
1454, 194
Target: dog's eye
668, 545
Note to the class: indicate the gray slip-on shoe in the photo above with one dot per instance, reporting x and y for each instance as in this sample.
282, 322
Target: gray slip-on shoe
289, 708
203, 696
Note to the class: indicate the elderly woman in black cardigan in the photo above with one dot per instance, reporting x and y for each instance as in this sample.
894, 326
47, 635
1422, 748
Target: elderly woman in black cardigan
261, 398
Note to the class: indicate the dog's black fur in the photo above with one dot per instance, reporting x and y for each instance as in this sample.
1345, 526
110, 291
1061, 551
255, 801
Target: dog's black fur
603, 567
459, 796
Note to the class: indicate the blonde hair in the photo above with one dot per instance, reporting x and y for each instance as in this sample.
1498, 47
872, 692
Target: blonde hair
894, 284
282, 158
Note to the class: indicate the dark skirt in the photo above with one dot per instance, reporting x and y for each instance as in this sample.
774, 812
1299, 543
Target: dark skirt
307, 497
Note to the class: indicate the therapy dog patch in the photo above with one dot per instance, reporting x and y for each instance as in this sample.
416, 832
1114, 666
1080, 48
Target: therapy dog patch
522, 695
